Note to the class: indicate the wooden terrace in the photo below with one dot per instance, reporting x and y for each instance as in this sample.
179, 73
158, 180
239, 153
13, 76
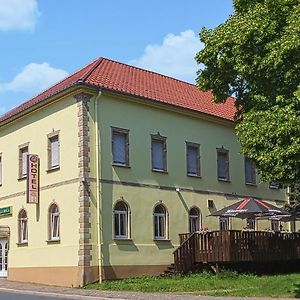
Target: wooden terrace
235, 246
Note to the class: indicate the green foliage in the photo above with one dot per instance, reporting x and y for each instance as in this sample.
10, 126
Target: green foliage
226, 283
255, 57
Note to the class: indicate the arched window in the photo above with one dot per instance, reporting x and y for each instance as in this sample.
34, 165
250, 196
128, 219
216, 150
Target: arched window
121, 220
23, 226
194, 219
251, 223
54, 220
224, 223
160, 222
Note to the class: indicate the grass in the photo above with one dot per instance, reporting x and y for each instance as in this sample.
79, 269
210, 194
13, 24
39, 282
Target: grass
226, 283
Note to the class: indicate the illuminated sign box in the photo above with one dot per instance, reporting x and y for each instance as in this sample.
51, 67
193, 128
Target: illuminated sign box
33, 178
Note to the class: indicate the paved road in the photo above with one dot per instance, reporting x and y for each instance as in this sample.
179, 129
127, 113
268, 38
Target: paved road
45, 296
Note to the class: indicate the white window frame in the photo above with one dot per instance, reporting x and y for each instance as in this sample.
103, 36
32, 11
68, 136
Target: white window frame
54, 217
23, 227
250, 167
157, 217
225, 153
224, 223
251, 223
195, 146
119, 214
23, 162
52, 137
1, 168
157, 138
275, 225
124, 132
192, 219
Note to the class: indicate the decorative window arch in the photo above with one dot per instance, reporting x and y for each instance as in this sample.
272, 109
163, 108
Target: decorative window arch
121, 220
160, 220
23, 226
194, 219
54, 222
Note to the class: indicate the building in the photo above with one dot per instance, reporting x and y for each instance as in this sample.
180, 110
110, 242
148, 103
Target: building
128, 159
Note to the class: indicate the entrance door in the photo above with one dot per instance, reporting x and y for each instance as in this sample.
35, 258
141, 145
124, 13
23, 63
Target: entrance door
3, 257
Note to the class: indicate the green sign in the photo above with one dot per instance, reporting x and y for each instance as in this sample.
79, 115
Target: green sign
5, 211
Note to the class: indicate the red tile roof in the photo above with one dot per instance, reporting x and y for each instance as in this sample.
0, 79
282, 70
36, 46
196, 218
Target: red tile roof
122, 78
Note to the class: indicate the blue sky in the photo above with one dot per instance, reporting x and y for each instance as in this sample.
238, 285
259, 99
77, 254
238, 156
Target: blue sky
43, 41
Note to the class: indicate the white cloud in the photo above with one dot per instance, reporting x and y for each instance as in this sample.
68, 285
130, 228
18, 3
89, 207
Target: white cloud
174, 57
34, 78
18, 14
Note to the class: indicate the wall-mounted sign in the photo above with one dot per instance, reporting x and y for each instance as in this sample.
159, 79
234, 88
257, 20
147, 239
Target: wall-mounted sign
5, 211
33, 178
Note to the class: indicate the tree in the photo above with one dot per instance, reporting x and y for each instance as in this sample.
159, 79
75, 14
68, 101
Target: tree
255, 57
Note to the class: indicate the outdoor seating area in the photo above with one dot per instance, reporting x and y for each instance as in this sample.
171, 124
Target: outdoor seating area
235, 246
238, 246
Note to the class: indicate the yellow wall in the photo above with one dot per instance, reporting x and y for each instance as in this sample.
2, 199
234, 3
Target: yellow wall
63, 187
142, 121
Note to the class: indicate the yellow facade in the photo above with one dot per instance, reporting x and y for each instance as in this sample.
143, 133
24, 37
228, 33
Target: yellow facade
141, 188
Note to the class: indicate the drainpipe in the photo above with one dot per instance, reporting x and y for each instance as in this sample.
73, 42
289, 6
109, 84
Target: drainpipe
97, 158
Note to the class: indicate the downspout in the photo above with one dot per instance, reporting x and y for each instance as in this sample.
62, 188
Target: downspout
97, 159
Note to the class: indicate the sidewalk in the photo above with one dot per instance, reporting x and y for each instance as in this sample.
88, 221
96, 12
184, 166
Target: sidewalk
74, 293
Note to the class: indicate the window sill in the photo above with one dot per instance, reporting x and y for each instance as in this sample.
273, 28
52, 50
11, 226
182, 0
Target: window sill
194, 175
224, 180
121, 165
122, 239
160, 171
53, 169
22, 178
161, 240
53, 241
250, 184
22, 244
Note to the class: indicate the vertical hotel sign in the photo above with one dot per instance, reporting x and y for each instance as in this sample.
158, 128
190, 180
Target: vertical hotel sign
33, 178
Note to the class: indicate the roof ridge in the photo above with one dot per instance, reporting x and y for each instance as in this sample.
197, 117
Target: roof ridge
57, 83
149, 71
95, 64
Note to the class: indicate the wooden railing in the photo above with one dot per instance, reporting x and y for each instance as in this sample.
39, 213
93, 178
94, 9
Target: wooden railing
235, 246
185, 254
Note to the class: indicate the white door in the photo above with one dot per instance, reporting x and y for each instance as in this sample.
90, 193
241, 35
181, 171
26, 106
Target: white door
3, 257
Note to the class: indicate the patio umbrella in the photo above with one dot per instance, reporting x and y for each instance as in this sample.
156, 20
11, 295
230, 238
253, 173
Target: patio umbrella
249, 208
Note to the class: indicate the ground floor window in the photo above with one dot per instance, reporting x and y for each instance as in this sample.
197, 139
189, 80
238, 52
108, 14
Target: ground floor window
251, 223
121, 220
194, 219
160, 222
224, 223
275, 225
54, 223
23, 227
